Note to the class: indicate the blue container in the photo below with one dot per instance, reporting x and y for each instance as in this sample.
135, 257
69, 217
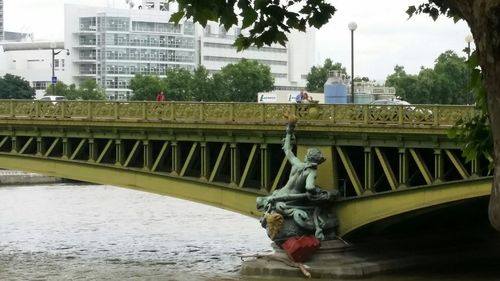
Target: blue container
336, 93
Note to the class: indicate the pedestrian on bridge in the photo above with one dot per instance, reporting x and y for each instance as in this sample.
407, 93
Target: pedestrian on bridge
160, 97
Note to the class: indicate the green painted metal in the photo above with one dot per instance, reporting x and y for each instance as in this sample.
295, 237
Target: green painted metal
391, 178
236, 146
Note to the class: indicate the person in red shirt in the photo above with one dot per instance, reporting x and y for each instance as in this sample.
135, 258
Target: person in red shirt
160, 96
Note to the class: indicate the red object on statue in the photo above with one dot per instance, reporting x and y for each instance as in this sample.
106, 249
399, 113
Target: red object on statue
301, 248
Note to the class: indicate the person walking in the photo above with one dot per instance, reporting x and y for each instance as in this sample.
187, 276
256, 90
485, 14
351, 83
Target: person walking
160, 97
299, 98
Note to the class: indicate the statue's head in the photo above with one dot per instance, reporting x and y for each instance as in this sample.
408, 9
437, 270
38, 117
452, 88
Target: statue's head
314, 155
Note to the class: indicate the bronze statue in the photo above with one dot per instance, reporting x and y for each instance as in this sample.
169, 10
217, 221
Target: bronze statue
300, 207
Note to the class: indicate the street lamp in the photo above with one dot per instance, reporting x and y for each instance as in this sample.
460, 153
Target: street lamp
55, 52
468, 40
352, 26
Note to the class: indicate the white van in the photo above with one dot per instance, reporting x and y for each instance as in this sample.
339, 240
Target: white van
52, 98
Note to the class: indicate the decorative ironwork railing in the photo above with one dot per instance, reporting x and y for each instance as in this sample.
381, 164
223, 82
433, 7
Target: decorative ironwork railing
239, 113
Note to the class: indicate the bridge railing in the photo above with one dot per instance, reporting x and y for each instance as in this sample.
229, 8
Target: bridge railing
239, 113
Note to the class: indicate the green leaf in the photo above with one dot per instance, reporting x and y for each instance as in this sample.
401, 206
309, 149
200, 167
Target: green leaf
177, 16
249, 17
411, 11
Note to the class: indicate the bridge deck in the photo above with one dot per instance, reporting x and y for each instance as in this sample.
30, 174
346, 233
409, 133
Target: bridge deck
227, 154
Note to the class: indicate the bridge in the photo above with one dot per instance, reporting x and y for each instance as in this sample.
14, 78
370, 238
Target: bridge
385, 161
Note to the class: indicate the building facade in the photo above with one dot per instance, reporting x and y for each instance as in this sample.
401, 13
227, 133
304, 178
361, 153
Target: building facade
33, 62
113, 45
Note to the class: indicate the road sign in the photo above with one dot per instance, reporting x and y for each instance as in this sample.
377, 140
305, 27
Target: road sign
54, 79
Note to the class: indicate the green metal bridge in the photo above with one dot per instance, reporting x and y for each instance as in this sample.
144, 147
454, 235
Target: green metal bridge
384, 161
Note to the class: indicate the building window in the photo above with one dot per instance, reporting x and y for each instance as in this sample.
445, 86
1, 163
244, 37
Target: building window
40, 85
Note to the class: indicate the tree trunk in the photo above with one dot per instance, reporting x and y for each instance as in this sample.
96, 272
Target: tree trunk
483, 17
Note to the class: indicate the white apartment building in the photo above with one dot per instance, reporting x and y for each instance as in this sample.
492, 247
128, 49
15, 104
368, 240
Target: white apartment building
112, 45
33, 62
289, 65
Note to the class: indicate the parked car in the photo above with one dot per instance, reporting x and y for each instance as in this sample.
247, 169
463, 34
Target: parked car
387, 110
52, 98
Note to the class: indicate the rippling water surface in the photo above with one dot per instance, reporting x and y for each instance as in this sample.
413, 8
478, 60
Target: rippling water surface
92, 232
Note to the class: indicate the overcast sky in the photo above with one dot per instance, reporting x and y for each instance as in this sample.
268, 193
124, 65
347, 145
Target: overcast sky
384, 37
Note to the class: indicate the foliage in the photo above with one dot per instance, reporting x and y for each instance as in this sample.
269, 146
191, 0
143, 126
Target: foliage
242, 81
318, 75
179, 82
436, 8
476, 132
445, 83
59, 89
266, 21
145, 87
15, 87
235, 82
203, 86
90, 90
405, 84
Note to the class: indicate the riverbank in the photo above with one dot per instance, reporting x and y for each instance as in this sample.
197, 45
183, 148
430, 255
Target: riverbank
9, 177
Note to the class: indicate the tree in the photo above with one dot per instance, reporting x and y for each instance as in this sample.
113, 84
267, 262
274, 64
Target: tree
446, 83
15, 87
179, 83
203, 85
318, 75
452, 74
267, 22
145, 87
59, 89
404, 84
242, 81
270, 18
483, 18
90, 90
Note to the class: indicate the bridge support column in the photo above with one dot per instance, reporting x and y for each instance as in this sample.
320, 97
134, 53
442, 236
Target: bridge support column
66, 147
92, 150
438, 165
403, 167
235, 164
204, 161
15, 145
474, 167
147, 155
40, 147
265, 167
369, 169
176, 158
120, 153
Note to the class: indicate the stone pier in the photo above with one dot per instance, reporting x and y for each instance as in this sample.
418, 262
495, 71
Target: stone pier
9, 177
335, 259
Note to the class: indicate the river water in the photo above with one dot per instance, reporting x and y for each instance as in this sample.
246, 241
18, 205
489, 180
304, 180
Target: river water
95, 232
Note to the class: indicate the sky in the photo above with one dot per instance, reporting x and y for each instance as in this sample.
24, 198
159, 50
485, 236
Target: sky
384, 38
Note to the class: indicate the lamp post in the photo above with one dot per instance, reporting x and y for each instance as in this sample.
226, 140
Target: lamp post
468, 40
54, 78
352, 26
